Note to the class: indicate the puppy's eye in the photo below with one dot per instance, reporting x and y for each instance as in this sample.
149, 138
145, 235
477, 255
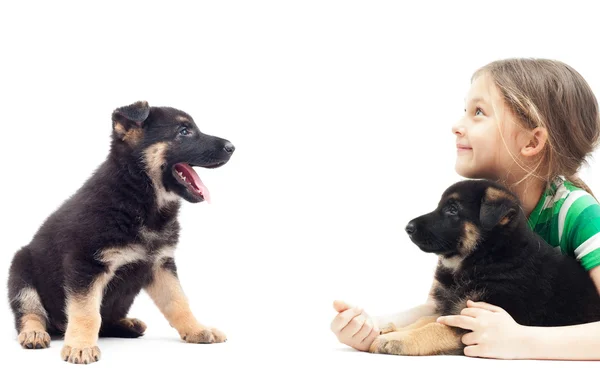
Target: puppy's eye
185, 131
452, 209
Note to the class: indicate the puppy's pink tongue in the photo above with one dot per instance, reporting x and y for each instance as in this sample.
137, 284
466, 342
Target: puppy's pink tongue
196, 182
200, 186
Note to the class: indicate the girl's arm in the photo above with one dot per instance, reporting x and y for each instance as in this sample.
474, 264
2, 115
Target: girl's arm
579, 342
355, 328
408, 316
496, 335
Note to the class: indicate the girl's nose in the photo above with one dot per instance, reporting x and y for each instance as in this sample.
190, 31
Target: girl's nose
458, 129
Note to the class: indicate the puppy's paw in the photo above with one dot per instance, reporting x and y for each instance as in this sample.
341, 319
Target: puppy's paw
374, 348
133, 324
383, 345
82, 355
205, 336
390, 327
34, 339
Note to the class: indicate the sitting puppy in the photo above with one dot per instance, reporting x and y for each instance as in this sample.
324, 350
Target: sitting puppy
82, 270
487, 252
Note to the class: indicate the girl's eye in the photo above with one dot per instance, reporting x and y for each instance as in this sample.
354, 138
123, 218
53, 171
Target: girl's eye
184, 131
477, 111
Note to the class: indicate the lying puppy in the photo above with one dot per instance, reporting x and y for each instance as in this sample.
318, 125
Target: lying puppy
115, 236
487, 252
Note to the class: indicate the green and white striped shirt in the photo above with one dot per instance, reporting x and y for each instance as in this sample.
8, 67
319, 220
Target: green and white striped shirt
568, 218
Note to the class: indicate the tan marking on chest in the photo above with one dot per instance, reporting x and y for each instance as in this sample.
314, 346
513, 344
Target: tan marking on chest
116, 257
452, 263
164, 253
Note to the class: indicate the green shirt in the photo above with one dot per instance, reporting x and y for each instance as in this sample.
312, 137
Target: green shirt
568, 217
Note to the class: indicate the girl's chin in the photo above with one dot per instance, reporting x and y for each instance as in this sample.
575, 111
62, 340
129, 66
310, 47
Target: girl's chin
466, 172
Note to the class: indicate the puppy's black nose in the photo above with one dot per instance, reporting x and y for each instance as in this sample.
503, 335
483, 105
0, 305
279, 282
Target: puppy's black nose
410, 228
229, 148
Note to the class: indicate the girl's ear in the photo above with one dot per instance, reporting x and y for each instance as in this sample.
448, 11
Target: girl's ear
538, 138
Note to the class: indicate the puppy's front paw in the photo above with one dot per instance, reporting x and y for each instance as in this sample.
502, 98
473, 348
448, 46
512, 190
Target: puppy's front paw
204, 336
383, 345
390, 327
82, 355
34, 339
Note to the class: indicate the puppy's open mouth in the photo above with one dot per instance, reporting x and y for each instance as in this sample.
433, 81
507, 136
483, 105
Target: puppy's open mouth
188, 177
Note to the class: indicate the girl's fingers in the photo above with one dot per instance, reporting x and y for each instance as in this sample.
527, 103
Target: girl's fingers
364, 331
465, 322
469, 338
353, 327
341, 320
473, 351
484, 305
340, 306
473, 312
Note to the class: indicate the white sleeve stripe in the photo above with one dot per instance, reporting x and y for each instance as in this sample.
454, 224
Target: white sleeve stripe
588, 246
564, 209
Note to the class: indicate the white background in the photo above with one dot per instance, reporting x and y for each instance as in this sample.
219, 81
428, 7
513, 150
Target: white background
341, 114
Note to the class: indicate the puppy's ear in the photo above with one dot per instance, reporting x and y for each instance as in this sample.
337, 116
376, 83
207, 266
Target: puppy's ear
129, 120
497, 208
136, 113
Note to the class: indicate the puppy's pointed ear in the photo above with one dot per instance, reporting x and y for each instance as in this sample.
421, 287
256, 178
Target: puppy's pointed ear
497, 208
137, 112
129, 120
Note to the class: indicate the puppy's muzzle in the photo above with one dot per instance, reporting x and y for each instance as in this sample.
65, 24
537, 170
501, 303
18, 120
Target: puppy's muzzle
229, 147
411, 228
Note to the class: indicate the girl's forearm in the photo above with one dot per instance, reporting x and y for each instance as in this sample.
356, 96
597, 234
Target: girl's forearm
578, 342
405, 317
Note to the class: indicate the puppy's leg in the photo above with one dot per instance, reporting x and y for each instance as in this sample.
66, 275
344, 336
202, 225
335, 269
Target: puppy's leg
33, 333
430, 338
32, 320
83, 319
115, 322
30, 315
406, 318
418, 323
123, 328
167, 293
392, 322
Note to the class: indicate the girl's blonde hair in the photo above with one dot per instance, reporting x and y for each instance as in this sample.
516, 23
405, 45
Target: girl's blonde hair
552, 95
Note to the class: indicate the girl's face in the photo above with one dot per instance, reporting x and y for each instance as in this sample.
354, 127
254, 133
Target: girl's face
487, 135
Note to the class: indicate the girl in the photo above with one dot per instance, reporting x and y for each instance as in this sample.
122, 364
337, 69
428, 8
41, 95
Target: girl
530, 124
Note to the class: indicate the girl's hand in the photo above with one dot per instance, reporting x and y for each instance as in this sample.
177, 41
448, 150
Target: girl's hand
353, 326
495, 334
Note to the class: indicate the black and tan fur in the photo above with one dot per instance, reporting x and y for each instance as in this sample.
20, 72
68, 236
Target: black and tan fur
114, 237
487, 252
